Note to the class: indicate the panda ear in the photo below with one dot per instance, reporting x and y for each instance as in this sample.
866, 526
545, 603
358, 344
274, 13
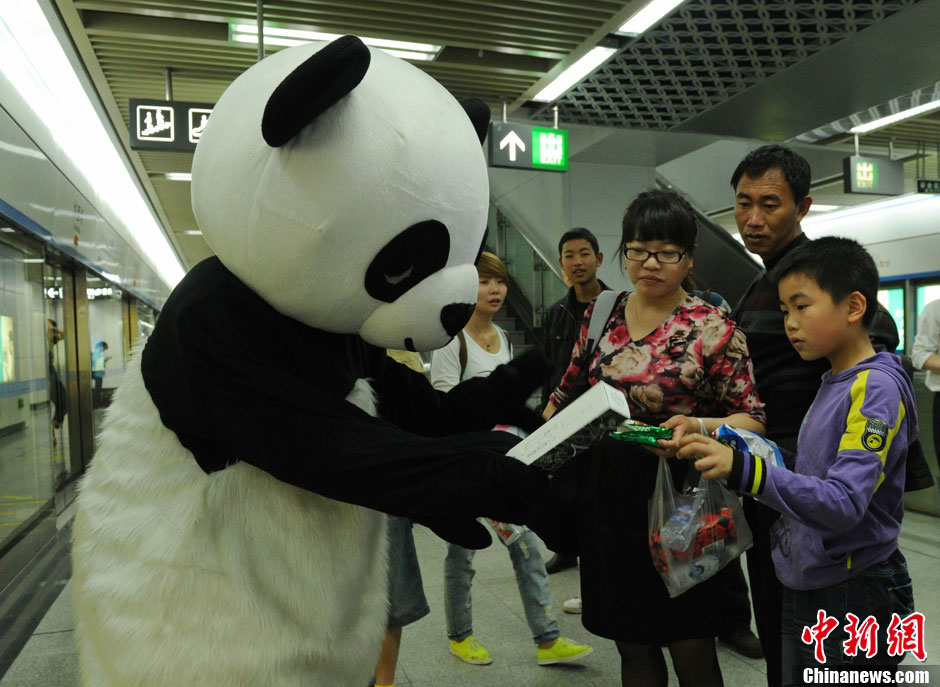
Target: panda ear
312, 88
479, 113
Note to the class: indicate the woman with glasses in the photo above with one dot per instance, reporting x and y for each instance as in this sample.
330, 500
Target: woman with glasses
681, 363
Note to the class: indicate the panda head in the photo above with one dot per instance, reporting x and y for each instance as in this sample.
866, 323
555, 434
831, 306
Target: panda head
349, 190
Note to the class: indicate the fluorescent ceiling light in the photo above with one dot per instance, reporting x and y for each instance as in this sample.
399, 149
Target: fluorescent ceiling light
37, 67
178, 176
865, 208
822, 207
573, 74
891, 119
191, 232
651, 13
274, 35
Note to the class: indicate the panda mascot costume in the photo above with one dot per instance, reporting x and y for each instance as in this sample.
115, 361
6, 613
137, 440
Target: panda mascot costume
231, 530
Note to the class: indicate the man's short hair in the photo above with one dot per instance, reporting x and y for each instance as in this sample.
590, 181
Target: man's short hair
578, 233
795, 168
839, 266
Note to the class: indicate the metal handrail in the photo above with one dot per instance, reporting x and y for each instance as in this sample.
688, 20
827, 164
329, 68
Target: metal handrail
536, 288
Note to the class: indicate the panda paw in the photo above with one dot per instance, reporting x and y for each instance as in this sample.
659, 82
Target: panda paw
466, 532
532, 368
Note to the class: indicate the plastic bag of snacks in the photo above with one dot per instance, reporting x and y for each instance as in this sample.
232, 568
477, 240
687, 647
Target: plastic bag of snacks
696, 532
506, 532
748, 442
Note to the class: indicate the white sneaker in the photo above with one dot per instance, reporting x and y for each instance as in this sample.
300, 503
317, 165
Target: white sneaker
572, 605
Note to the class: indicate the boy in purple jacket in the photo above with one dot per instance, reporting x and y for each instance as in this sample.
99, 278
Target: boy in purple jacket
841, 500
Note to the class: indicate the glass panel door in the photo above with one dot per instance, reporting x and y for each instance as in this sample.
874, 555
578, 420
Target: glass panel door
892, 298
57, 370
33, 448
106, 342
925, 294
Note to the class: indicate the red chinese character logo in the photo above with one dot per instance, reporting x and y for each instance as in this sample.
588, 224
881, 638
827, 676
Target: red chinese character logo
907, 635
818, 632
864, 636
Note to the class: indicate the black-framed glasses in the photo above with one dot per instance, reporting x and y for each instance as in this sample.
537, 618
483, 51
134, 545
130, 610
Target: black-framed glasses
664, 257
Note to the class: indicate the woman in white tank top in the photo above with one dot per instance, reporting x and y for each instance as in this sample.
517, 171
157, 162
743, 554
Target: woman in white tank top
477, 351
481, 346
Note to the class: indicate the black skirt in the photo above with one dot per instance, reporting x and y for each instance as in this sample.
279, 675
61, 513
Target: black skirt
623, 596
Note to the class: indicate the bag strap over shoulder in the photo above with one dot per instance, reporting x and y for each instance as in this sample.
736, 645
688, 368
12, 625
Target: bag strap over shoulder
508, 340
462, 353
603, 307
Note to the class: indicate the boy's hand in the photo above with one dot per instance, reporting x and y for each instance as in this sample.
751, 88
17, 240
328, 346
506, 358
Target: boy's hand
712, 458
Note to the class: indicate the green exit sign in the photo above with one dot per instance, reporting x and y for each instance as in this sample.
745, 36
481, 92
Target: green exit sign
866, 174
928, 186
877, 175
549, 148
528, 147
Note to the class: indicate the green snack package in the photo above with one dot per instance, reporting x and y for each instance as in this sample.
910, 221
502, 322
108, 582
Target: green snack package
640, 433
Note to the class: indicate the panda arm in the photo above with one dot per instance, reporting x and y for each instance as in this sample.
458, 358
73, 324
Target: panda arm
228, 409
408, 399
238, 382
324, 444
443, 483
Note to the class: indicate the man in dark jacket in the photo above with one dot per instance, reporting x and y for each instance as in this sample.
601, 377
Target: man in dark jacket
579, 257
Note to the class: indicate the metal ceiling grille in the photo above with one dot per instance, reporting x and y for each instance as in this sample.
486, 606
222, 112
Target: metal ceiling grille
493, 50
707, 52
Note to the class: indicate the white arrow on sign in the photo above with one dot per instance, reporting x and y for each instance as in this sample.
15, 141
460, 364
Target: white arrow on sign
513, 141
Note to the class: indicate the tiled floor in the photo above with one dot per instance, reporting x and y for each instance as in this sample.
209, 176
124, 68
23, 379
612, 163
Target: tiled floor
49, 658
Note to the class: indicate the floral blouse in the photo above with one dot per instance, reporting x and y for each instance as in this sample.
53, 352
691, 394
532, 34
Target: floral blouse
695, 363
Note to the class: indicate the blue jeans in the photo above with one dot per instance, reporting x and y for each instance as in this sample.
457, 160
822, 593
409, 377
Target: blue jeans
530, 577
878, 591
406, 600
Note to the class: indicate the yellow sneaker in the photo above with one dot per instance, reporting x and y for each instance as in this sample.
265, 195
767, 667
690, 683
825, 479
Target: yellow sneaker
562, 651
471, 651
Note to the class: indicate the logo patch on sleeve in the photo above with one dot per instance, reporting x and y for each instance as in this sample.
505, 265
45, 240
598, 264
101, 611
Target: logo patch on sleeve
876, 432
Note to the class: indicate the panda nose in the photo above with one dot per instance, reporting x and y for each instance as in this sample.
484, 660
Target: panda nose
455, 316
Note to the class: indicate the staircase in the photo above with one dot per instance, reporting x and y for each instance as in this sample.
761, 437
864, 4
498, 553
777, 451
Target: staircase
507, 319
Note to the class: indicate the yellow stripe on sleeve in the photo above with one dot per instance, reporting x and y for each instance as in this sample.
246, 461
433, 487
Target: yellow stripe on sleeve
856, 425
758, 474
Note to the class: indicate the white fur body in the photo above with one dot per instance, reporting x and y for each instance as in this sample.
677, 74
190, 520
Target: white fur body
228, 579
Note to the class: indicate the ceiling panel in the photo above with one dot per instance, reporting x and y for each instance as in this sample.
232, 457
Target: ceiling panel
707, 55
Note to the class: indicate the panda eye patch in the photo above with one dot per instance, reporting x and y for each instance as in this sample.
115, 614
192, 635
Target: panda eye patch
415, 254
